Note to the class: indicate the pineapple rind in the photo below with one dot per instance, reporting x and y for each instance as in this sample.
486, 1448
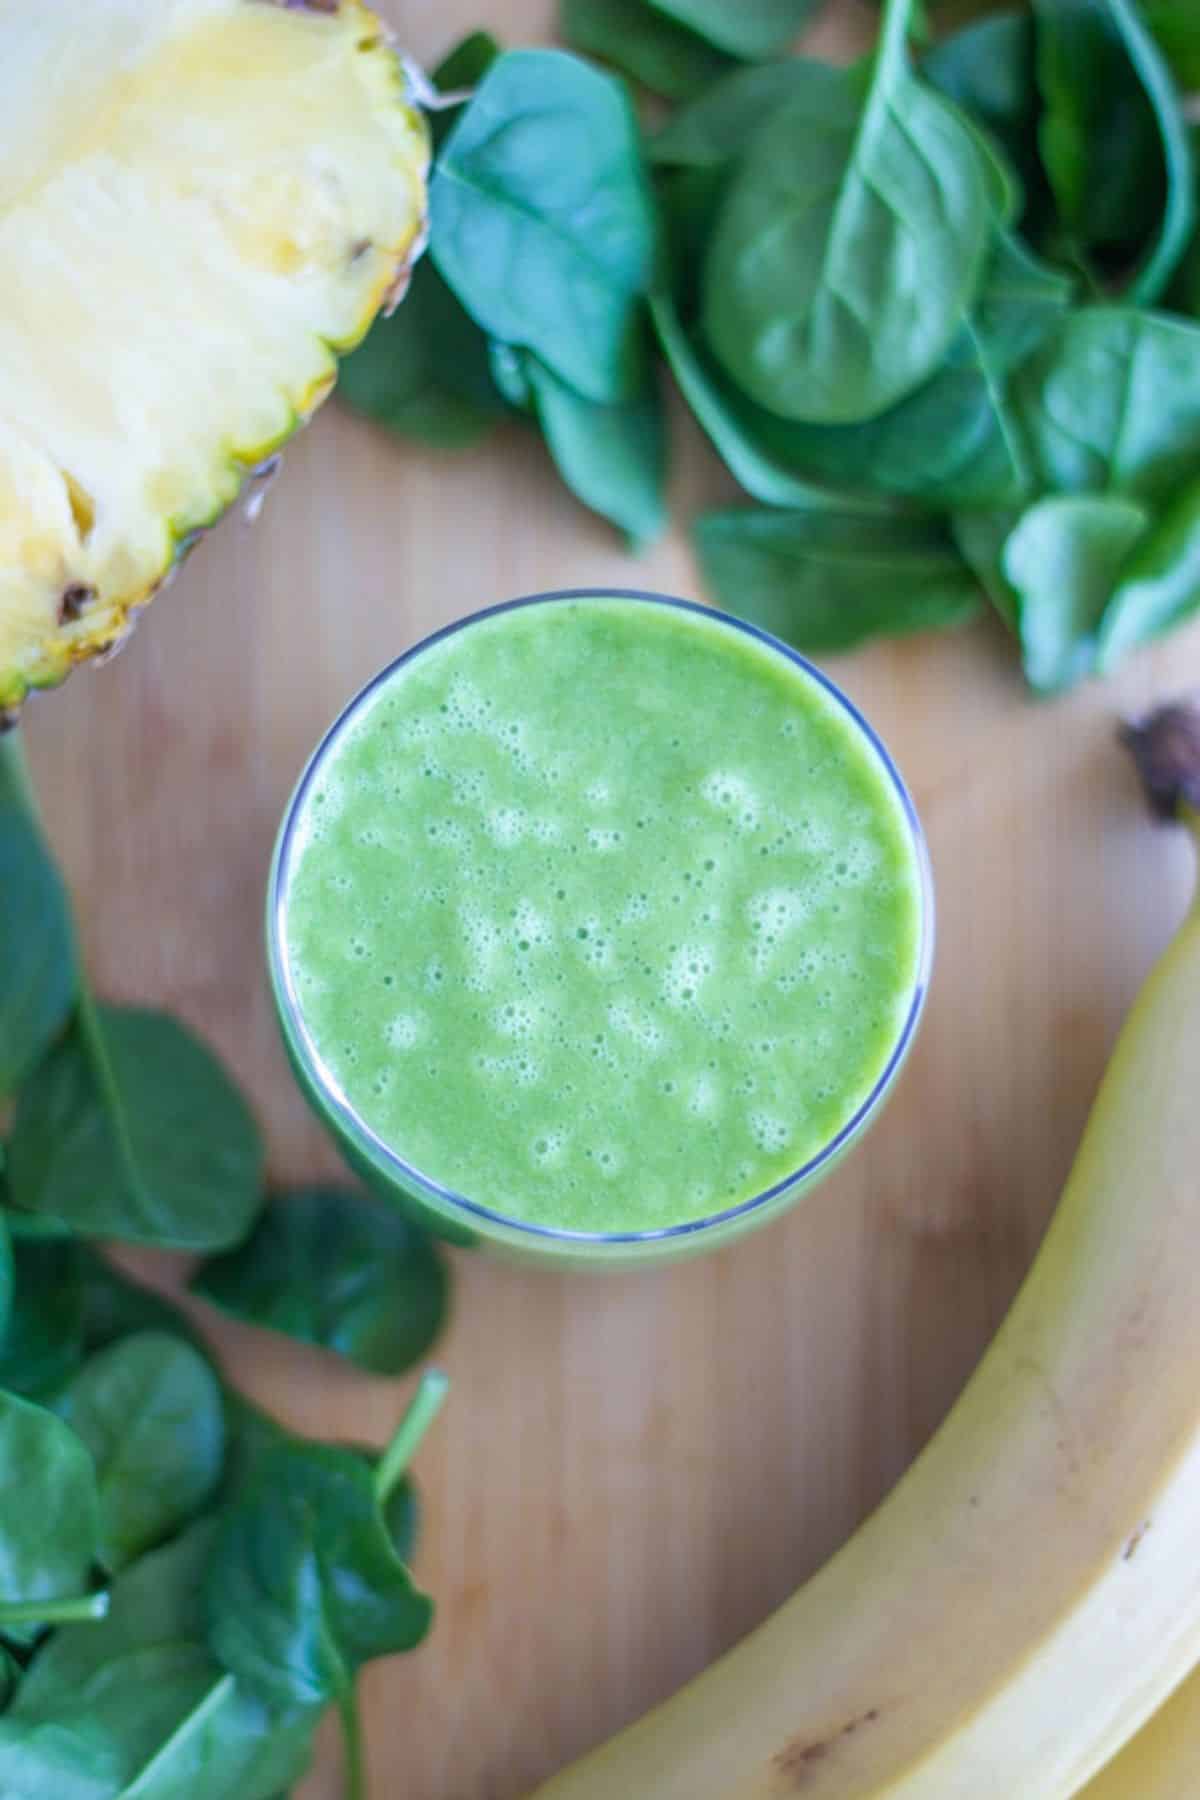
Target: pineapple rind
314, 230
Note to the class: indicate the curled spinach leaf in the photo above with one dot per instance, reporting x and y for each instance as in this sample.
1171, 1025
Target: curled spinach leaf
1113, 138
850, 244
132, 1129
542, 219
332, 1268
1062, 559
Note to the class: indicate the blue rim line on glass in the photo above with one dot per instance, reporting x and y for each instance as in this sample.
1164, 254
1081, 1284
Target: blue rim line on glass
376, 1149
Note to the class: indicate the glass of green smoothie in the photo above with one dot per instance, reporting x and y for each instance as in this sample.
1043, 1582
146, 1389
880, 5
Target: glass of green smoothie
599, 926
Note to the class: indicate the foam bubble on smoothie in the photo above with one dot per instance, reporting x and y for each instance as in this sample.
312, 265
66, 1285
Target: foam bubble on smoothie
534, 918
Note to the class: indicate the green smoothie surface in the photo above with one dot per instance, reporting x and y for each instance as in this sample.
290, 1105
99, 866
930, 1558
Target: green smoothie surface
603, 914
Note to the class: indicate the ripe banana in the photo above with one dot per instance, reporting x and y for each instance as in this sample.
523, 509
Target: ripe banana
1163, 1761
1029, 1593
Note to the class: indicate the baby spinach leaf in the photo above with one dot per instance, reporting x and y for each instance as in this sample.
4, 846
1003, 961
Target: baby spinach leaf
958, 440
213, 1741
850, 244
333, 1268
739, 430
987, 69
304, 1584
1159, 584
750, 29
612, 457
1113, 137
37, 970
827, 580
1063, 559
665, 57
423, 373
1108, 403
43, 1345
49, 1507
149, 1410
132, 1129
542, 219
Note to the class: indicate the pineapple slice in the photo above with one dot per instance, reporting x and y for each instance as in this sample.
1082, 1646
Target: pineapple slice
201, 202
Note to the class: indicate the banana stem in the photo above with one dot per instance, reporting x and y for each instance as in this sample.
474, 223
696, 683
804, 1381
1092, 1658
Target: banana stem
1166, 748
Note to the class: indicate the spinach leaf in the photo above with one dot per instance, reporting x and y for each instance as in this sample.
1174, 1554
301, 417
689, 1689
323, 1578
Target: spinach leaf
38, 969
959, 439
10, 1675
1063, 559
49, 1508
740, 431
1159, 584
335, 1269
542, 219
43, 1345
612, 457
424, 372
1113, 137
850, 244
987, 69
750, 29
132, 1129
305, 1584
665, 57
149, 1410
1108, 403
209, 1740
827, 581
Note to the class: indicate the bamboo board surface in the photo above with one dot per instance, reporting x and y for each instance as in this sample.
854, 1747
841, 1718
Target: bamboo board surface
632, 1469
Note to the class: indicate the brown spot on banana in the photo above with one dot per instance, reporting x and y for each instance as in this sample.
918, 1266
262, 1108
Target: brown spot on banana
796, 1761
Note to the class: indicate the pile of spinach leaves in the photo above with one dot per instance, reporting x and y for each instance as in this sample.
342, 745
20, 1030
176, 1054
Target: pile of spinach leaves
938, 311
185, 1585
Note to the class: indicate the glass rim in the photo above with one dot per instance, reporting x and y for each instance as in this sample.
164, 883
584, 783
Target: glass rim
376, 1149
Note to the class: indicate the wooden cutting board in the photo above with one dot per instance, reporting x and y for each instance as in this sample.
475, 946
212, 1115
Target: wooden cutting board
632, 1469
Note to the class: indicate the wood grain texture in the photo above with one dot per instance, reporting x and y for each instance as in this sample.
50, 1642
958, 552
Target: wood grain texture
632, 1469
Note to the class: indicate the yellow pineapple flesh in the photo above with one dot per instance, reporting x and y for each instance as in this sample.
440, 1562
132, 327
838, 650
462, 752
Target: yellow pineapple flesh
202, 202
